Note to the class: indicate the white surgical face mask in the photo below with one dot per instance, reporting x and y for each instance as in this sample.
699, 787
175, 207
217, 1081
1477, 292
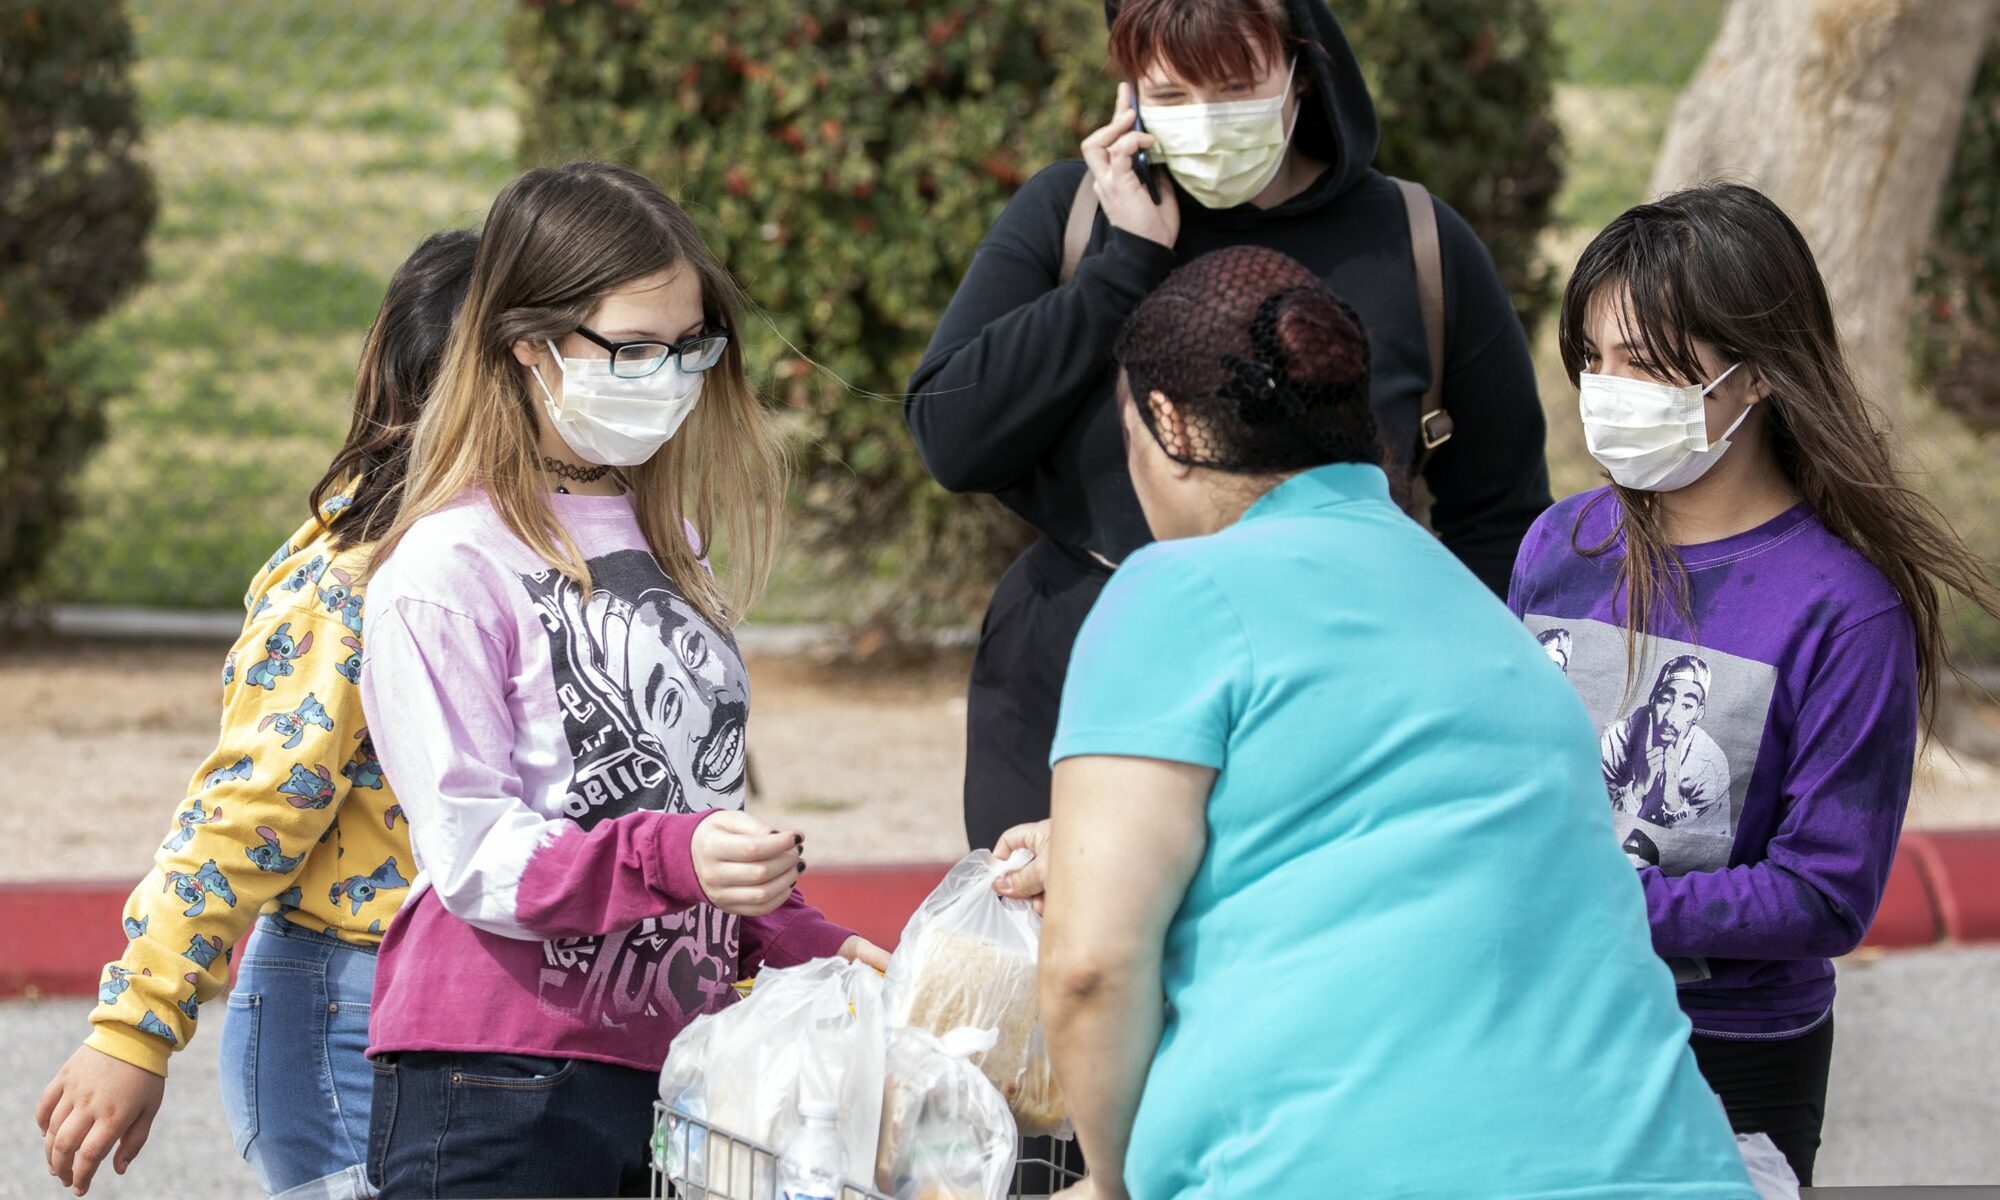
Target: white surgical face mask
1652, 437
613, 421
1223, 154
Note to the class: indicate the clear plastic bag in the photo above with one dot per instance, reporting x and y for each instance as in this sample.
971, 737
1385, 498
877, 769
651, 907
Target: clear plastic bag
1770, 1172
946, 1131
811, 1032
967, 960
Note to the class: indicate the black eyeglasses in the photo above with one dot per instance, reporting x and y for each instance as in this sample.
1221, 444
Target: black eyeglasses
636, 360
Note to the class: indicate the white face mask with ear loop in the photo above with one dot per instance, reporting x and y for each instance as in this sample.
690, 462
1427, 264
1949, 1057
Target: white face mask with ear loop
1224, 154
1651, 437
614, 421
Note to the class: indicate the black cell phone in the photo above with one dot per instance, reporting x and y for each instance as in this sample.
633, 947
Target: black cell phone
1141, 165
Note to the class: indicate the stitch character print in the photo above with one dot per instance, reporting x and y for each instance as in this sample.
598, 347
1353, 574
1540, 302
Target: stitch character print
350, 667
280, 652
361, 889
292, 725
151, 1023
340, 600
190, 1007
203, 951
194, 890
364, 770
134, 930
271, 856
114, 987
185, 821
308, 789
240, 769
306, 575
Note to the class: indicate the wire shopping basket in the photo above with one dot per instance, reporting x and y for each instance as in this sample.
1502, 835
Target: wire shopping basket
694, 1160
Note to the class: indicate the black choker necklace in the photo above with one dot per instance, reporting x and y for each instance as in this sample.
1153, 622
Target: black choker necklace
557, 467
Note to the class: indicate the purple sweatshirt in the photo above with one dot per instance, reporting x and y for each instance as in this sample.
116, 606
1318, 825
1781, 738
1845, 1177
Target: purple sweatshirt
553, 758
1758, 760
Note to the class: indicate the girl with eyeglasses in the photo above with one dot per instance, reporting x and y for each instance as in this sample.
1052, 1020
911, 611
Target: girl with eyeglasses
553, 685
1753, 612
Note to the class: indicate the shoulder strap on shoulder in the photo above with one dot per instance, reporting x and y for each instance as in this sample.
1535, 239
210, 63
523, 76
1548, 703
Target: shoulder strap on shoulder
1434, 427
1076, 234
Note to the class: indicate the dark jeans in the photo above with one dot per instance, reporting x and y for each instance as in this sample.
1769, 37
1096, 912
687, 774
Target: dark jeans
1017, 682
1775, 1087
509, 1125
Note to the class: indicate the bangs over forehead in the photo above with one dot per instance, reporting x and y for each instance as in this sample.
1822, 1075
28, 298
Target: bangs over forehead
1202, 41
1638, 271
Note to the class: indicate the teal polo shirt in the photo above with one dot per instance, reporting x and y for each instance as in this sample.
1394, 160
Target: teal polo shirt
1413, 961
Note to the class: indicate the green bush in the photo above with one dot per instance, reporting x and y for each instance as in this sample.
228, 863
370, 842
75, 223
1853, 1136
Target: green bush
75, 205
1466, 94
846, 156
1958, 323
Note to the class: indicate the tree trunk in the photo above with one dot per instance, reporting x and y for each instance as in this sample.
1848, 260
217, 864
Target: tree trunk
1845, 112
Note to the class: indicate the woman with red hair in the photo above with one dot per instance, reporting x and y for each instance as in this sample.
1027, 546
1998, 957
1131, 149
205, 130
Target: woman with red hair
1257, 130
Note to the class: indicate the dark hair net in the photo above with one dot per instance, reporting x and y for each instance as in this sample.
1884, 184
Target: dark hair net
1267, 368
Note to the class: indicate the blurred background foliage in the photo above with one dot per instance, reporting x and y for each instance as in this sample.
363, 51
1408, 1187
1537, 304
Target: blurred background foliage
75, 204
846, 155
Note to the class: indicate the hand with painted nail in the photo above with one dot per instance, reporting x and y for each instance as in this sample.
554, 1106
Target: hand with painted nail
744, 865
1026, 883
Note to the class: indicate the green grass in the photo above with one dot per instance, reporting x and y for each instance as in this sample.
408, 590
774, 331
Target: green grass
302, 149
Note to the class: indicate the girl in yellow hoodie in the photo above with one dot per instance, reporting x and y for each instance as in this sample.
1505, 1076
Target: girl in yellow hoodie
288, 825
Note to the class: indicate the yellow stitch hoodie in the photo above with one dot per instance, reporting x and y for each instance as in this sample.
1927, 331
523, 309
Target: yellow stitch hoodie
289, 814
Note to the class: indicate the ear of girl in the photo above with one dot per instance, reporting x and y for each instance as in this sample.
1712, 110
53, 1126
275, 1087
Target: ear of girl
1751, 612
552, 684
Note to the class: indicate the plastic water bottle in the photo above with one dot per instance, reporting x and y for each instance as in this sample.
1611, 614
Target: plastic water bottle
810, 1165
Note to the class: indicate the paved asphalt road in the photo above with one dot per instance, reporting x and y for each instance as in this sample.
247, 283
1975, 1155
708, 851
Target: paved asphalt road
1916, 1087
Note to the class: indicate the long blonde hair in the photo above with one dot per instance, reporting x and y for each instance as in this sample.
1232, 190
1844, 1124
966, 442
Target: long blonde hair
557, 241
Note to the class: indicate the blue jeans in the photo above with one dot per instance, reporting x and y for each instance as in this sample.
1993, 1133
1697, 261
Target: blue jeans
497, 1125
295, 1084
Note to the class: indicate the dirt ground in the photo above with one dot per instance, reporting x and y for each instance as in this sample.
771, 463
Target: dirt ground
98, 740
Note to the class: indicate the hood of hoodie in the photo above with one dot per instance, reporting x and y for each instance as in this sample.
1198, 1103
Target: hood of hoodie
1336, 122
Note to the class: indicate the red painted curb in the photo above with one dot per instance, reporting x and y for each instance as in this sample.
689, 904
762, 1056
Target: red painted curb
56, 936
875, 902
1908, 913
1963, 869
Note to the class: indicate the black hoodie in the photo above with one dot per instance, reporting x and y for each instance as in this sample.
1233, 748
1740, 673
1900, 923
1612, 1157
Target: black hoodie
1013, 397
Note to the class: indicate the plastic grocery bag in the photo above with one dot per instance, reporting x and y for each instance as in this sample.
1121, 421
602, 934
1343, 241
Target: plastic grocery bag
811, 1032
946, 1131
967, 960
1770, 1171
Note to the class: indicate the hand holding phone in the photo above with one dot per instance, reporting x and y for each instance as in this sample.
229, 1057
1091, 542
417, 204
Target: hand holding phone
1130, 196
1141, 165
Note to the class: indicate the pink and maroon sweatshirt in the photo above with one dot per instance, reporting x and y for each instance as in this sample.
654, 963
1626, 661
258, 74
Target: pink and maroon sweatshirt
553, 757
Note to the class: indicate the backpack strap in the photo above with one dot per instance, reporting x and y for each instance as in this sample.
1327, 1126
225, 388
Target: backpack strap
1434, 427
1076, 234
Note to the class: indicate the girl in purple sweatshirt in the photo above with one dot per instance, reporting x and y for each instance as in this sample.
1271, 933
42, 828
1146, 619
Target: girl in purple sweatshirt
551, 681
1751, 613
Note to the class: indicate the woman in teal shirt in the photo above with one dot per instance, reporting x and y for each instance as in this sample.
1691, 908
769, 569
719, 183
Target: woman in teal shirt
1318, 787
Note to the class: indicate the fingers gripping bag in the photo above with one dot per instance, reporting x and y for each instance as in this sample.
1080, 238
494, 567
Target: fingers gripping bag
967, 960
809, 1032
946, 1131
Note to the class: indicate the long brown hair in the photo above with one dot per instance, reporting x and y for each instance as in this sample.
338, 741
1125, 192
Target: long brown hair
399, 362
556, 242
1722, 264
